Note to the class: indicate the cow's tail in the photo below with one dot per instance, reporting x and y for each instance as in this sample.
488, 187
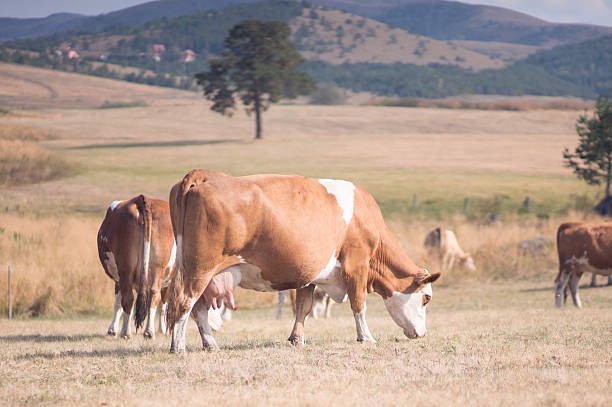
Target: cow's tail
177, 303
562, 228
143, 299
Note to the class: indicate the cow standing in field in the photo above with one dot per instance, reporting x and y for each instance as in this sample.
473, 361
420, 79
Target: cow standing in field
274, 232
582, 247
137, 250
443, 244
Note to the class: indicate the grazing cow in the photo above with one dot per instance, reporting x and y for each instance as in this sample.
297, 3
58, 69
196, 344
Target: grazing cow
582, 247
275, 232
443, 243
137, 250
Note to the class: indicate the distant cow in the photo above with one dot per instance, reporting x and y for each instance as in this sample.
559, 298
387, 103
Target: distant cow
290, 232
137, 250
321, 303
443, 244
582, 247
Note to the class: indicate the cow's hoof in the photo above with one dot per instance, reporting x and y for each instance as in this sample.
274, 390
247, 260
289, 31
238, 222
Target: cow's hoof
366, 340
177, 351
111, 333
126, 336
296, 340
148, 335
211, 348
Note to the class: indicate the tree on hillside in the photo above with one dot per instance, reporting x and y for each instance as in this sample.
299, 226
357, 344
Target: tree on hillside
592, 159
258, 66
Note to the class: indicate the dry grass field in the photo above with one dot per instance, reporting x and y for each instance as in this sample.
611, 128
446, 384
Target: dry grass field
494, 335
487, 345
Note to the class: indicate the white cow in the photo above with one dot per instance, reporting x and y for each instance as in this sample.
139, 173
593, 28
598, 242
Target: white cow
443, 243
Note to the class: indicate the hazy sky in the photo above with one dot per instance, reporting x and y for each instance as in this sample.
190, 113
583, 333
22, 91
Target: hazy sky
575, 11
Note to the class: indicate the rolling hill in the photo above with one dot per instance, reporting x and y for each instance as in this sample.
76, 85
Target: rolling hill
438, 19
452, 20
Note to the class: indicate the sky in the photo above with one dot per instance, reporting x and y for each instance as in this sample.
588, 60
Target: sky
563, 11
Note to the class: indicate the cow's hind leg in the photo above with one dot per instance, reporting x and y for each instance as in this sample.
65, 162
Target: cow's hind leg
303, 306
594, 280
573, 285
609, 280
560, 286
118, 311
199, 313
163, 315
127, 302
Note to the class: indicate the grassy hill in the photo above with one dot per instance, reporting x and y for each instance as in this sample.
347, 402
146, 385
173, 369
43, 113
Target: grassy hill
451, 20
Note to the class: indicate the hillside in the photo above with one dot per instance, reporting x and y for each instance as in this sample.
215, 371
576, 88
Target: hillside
337, 37
451, 20
438, 19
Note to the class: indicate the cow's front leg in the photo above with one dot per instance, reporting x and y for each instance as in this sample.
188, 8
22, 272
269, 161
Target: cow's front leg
303, 306
358, 305
118, 311
199, 313
609, 280
573, 285
594, 280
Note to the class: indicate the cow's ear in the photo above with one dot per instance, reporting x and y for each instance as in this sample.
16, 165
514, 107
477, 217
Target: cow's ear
430, 278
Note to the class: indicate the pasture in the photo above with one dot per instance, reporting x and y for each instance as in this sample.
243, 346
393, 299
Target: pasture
494, 335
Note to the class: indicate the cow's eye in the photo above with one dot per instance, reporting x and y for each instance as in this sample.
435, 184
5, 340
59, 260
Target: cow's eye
426, 299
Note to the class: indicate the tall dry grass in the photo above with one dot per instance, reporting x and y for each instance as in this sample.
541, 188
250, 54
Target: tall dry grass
55, 265
24, 161
57, 270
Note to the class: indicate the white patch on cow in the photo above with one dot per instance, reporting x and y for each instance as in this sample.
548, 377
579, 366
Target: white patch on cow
180, 330
242, 260
249, 276
344, 191
104, 239
331, 281
114, 204
146, 256
163, 314
118, 311
408, 311
363, 332
111, 265
170, 266
150, 327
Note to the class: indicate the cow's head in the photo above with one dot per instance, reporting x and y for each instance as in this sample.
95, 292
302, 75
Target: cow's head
408, 309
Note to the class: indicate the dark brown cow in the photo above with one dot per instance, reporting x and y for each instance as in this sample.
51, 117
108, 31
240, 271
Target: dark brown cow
137, 250
582, 247
289, 232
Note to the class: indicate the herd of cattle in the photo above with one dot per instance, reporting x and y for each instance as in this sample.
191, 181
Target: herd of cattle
322, 239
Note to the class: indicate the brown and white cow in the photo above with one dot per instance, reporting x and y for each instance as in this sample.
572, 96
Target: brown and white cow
582, 247
290, 232
443, 244
137, 250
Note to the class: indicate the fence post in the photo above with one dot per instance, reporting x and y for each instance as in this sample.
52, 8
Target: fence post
10, 293
415, 201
